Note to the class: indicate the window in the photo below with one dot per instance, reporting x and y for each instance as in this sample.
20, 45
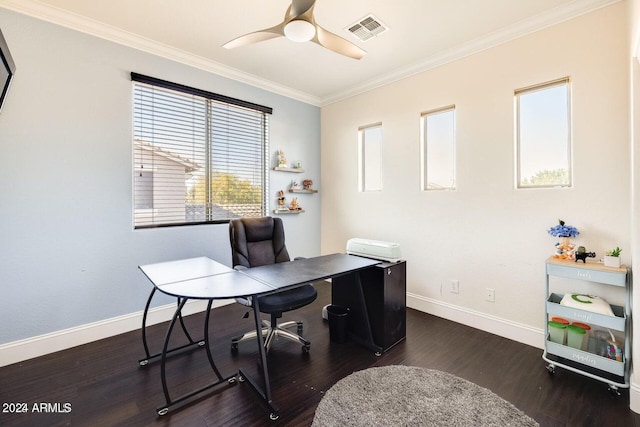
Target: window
199, 157
370, 158
438, 149
543, 135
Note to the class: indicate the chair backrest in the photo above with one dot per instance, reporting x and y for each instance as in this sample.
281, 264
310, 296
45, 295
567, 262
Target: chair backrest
257, 241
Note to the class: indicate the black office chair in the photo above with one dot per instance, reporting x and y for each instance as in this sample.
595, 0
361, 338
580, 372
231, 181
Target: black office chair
260, 241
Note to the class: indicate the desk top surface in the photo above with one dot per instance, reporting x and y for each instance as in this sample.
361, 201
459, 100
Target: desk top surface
220, 286
163, 273
200, 278
203, 278
307, 270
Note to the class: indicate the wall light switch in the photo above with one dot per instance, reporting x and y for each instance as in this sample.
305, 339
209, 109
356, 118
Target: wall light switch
454, 286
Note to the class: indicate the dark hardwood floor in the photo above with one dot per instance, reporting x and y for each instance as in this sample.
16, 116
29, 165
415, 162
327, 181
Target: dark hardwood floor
104, 386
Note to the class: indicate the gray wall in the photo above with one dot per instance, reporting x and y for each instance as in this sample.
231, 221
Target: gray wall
69, 254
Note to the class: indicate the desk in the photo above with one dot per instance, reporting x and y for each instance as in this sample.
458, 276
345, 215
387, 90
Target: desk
202, 278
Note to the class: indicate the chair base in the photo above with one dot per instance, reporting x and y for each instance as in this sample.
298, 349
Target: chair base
269, 333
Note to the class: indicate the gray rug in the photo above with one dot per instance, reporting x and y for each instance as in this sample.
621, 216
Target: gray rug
410, 396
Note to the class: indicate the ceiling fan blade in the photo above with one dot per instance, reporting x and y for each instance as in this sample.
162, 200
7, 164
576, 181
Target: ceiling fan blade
337, 44
256, 36
300, 7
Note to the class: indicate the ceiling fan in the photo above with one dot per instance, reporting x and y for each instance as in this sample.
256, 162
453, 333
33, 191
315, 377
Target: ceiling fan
299, 25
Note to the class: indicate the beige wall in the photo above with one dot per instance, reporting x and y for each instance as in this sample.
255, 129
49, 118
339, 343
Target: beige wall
486, 234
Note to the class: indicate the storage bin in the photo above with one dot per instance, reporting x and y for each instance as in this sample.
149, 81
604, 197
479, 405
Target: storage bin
560, 320
557, 332
587, 336
576, 337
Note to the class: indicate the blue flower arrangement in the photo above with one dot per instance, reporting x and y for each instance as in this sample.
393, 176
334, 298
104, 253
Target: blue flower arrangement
562, 230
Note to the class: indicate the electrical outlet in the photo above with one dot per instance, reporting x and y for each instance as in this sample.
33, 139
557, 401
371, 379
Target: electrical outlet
454, 286
490, 295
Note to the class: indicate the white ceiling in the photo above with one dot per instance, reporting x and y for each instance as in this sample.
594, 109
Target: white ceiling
422, 34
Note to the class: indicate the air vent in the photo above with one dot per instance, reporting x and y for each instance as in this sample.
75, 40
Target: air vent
367, 28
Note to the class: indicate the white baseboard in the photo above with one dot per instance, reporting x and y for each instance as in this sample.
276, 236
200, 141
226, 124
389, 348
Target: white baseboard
512, 330
18, 351
634, 395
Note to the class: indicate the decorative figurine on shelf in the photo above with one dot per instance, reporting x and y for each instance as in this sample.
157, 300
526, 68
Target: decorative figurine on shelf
582, 254
294, 185
307, 184
297, 164
281, 199
294, 206
282, 159
564, 248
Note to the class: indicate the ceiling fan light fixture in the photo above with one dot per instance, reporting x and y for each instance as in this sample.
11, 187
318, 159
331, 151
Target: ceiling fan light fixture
299, 30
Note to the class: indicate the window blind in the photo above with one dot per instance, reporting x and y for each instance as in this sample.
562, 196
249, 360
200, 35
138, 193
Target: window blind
198, 157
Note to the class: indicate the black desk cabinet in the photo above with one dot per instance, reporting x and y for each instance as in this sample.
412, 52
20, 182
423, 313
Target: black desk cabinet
385, 294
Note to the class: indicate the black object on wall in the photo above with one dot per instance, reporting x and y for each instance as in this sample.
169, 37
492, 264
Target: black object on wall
7, 69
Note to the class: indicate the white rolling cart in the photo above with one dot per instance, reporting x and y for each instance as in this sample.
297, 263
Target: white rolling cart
610, 371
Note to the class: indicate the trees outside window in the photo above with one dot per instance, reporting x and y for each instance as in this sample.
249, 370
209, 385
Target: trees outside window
198, 157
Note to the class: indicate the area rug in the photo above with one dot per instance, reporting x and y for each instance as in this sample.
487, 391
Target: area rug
410, 396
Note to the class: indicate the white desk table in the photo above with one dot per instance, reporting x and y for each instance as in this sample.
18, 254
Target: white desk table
203, 278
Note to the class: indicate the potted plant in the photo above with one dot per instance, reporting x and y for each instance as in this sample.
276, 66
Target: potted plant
612, 257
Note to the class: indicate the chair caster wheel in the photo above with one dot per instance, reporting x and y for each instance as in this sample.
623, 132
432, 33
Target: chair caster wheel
234, 348
306, 349
551, 369
273, 416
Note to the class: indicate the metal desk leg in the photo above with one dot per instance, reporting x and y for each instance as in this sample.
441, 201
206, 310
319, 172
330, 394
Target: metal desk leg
148, 356
206, 341
144, 361
266, 393
164, 409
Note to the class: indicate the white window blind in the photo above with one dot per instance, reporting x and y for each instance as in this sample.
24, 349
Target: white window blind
199, 157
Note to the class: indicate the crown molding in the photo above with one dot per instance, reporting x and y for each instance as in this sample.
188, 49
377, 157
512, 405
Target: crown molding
95, 28
86, 25
519, 29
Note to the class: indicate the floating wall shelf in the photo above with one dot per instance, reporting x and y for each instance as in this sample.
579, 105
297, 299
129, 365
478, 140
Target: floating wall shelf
283, 212
295, 170
300, 190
